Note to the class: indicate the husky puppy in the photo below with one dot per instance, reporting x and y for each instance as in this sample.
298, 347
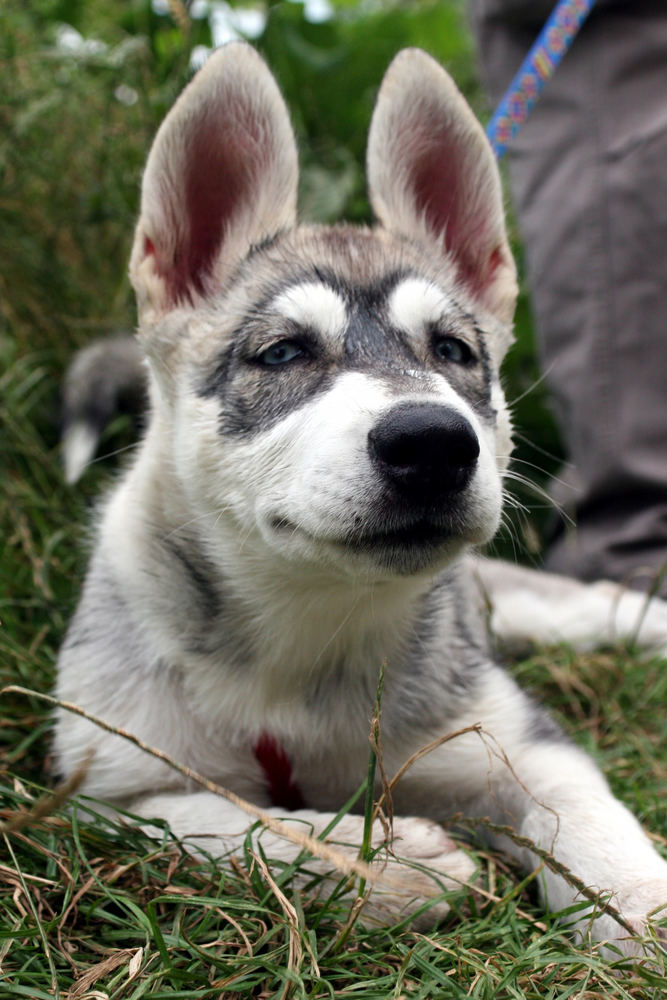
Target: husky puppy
326, 443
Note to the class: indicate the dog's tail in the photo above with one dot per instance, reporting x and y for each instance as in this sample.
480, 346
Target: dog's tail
104, 379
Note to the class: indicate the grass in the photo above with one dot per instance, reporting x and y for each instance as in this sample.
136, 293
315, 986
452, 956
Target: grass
90, 908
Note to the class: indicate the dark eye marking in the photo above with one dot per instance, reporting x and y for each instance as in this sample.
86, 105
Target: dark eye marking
453, 349
281, 353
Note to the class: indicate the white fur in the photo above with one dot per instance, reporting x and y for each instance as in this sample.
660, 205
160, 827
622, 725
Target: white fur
224, 599
78, 446
415, 302
530, 607
314, 304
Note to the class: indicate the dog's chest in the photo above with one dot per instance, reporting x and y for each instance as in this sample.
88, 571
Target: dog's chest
309, 747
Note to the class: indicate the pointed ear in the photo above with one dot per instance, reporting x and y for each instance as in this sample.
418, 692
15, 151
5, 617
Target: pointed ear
221, 175
433, 178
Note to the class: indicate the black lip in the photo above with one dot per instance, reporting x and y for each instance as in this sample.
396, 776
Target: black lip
422, 534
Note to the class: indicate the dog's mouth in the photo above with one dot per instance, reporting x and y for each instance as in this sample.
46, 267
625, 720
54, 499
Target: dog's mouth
397, 549
420, 534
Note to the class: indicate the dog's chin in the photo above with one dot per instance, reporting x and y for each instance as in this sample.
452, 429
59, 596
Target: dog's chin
404, 551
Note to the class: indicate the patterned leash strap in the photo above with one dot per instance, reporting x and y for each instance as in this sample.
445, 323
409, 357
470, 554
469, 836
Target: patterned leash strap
539, 65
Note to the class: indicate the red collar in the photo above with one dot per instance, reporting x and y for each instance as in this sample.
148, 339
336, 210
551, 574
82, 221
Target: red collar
277, 769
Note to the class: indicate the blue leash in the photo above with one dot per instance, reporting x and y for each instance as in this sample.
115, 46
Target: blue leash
539, 66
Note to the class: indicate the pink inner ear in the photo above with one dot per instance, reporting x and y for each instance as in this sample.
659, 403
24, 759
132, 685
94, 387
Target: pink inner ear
443, 188
221, 160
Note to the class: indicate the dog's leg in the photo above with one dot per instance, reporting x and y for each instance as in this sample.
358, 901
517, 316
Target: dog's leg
571, 813
211, 825
534, 607
522, 772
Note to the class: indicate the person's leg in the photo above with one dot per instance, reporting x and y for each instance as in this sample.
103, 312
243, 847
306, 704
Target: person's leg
589, 178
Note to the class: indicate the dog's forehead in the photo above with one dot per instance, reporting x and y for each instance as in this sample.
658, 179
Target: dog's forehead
323, 277
347, 260
411, 302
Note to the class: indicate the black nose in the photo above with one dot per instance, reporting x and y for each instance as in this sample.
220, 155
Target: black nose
426, 451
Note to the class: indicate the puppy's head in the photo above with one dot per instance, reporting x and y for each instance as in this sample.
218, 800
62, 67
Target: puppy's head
331, 395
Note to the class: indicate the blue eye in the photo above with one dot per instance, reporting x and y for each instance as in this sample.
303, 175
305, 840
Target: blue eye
452, 349
280, 353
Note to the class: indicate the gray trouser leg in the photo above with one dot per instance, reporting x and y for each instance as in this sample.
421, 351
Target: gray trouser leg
589, 177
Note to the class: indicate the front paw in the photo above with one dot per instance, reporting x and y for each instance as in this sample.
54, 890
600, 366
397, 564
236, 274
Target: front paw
642, 909
645, 911
421, 863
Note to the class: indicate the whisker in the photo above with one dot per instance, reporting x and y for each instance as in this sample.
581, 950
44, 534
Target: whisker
538, 468
112, 454
536, 447
516, 477
532, 387
193, 520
